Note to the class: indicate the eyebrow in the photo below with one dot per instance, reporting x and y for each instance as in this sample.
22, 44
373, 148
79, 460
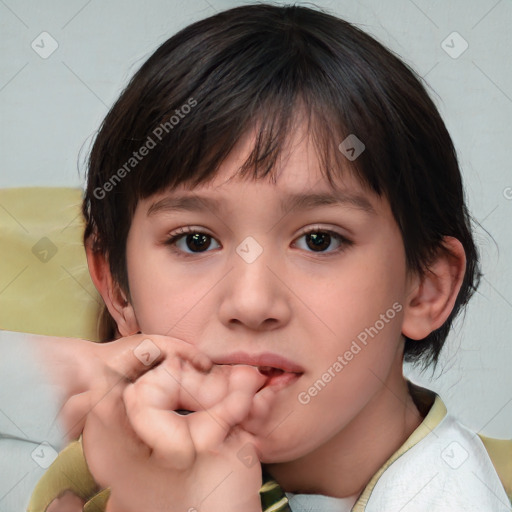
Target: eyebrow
301, 201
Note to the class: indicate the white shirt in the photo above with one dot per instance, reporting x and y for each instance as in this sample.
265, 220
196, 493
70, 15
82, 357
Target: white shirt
319, 503
442, 467
449, 470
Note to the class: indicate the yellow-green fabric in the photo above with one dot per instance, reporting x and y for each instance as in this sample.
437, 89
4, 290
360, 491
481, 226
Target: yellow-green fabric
68, 472
45, 287
500, 452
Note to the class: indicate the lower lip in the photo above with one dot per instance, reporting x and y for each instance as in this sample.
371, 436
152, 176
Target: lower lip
281, 380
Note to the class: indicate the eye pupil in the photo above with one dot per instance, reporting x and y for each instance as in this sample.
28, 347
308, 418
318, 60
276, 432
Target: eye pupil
198, 240
320, 240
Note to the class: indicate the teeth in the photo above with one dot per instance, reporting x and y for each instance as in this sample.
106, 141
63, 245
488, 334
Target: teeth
269, 370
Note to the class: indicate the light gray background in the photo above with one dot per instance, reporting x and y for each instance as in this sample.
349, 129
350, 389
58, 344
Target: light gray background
52, 107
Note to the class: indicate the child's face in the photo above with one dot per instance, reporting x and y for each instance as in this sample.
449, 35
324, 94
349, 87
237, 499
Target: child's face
301, 298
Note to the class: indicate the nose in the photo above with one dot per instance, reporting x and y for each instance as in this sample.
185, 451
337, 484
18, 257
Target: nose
253, 296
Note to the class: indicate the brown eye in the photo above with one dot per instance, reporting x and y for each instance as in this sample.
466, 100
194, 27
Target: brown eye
188, 241
197, 242
320, 240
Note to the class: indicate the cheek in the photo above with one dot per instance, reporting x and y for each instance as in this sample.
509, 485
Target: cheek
361, 309
331, 406
168, 298
153, 288
356, 294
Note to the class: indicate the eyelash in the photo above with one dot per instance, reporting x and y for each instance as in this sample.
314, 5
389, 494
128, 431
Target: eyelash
177, 235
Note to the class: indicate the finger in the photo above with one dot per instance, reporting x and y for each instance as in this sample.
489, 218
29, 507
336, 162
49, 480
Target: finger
197, 390
159, 388
151, 401
200, 391
135, 355
109, 441
210, 428
67, 502
161, 429
176, 384
262, 404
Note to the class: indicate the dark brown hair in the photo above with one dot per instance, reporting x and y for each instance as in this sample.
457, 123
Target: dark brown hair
255, 68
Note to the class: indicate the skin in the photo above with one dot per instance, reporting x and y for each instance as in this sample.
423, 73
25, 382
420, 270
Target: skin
153, 459
68, 502
304, 305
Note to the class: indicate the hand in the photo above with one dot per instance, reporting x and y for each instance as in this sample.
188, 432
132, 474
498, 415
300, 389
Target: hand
154, 459
76, 364
68, 502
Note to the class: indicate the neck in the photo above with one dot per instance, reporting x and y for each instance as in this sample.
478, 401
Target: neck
344, 465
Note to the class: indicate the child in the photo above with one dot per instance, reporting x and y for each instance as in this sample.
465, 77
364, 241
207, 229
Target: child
311, 168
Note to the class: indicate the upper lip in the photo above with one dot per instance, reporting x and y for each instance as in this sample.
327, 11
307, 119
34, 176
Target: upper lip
260, 360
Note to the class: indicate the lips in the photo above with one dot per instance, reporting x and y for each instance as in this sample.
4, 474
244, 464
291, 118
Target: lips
265, 361
278, 370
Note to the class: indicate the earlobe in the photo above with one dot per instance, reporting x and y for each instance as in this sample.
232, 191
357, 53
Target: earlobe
115, 299
433, 295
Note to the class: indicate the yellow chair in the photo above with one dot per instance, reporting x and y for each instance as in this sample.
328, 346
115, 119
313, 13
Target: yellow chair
45, 287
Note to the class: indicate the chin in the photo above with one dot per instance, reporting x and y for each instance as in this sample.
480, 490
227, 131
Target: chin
273, 452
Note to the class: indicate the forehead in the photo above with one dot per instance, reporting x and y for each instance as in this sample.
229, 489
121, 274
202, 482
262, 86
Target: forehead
296, 182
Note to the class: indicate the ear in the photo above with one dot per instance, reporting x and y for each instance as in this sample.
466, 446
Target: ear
115, 299
432, 296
